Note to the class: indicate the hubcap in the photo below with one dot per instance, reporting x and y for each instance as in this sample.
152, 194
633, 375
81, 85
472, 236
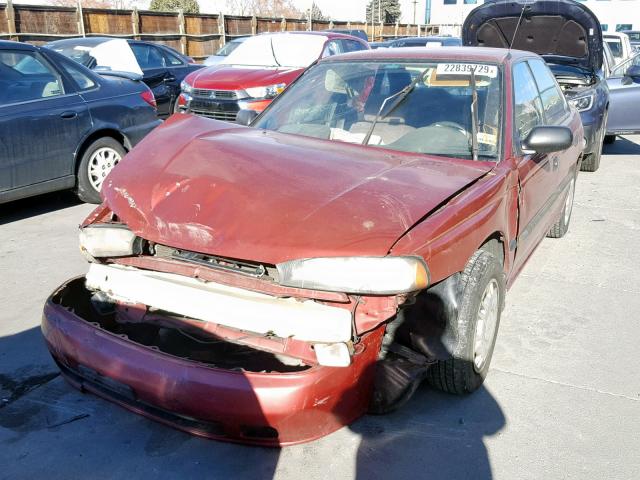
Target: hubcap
568, 204
486, 323
100, 164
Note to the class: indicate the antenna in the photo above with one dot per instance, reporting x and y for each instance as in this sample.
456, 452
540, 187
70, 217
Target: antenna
515, 32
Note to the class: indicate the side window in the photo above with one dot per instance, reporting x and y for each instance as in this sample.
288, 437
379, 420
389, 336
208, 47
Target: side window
331, 48
528, 108
25, 76
553, 101
147, 56
352, 46
621, 70
172, 60
83, 81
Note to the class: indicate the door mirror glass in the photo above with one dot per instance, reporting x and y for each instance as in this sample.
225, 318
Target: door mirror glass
547, 139
634, 72
245, 117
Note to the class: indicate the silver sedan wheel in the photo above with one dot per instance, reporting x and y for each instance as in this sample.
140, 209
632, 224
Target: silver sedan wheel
568, 204
486, 324
100, 164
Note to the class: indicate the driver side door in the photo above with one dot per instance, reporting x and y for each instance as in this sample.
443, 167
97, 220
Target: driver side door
538, 173
624, 98
155, 74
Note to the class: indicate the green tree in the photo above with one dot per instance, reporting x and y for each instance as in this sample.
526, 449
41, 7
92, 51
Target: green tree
388, 10
187, 6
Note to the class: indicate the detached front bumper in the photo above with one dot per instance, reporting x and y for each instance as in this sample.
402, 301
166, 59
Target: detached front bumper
271, 409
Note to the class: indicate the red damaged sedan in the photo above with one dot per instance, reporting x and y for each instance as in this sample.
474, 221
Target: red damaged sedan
269, 285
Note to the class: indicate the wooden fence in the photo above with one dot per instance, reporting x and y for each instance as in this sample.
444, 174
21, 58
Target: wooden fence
197, 35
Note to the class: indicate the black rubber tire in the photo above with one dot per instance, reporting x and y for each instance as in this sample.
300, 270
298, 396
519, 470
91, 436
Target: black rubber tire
609, 139
457, 375
85, 191
561, 227
591, 161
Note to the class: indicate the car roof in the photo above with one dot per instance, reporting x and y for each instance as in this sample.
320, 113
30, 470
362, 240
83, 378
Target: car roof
475, 54
6, 44
614, 34
323, 33
430, 37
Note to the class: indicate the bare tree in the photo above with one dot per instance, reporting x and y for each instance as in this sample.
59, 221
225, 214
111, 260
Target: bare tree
264, 8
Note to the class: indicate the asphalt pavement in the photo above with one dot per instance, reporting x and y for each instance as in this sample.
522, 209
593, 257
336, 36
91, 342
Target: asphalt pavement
562, 399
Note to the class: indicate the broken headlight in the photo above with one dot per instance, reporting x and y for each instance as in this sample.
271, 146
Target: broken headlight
372, 275
108, 240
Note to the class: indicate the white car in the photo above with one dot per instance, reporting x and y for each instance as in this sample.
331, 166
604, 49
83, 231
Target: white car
619, 44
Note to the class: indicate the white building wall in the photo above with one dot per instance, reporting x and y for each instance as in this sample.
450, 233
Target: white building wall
611, 13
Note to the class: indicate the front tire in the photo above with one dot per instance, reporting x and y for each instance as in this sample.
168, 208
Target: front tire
609, 139
476, 328
591, 161
561, 226
98, 160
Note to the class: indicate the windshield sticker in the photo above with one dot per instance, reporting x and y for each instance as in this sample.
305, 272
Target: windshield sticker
487, 138
490, 71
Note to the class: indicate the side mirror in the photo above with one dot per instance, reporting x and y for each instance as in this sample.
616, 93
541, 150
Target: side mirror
245, 117
633, 72
547, 139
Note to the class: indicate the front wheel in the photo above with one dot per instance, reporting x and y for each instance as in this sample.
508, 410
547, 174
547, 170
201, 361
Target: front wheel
476, 328
97, 161
609, 139
562, 224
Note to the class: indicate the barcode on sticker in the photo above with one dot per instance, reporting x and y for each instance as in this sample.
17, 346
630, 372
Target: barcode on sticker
490, 71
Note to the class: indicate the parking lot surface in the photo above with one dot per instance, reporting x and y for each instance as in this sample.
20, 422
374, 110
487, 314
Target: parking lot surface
562, 399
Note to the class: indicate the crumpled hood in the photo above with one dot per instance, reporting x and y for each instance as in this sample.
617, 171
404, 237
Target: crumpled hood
562, 31
228, 77
244, 193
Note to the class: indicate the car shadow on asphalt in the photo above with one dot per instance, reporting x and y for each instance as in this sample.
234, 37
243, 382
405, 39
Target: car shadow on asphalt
622, 146
37, 205
434, 436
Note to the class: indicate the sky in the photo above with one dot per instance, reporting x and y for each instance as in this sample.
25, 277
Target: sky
336, 9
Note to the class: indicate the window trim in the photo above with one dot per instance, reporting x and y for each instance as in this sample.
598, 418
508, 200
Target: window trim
564, 99
516, 134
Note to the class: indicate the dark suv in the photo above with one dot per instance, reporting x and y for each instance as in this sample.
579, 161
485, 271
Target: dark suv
569, 37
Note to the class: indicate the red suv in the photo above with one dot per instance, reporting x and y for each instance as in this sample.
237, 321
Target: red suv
258, 70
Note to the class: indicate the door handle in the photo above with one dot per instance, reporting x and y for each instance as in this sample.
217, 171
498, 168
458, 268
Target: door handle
170, 78
68, 115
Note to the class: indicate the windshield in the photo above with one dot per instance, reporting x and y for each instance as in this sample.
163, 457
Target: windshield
279, 50
114, 54
228, 48
77, 53
340, 101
